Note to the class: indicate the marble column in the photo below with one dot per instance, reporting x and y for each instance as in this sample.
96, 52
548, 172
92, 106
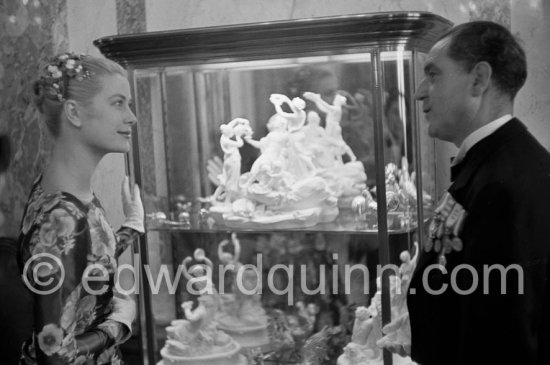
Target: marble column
30, 32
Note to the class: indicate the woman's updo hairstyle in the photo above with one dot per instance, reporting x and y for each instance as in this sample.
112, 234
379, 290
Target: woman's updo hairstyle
70, 76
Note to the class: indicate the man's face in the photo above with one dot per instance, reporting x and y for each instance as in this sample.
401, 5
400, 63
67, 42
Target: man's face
445, 93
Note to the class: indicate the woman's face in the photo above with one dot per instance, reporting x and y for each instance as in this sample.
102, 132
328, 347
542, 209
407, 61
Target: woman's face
107, 120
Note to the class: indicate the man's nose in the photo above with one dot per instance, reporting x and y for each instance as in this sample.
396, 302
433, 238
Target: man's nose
421, 91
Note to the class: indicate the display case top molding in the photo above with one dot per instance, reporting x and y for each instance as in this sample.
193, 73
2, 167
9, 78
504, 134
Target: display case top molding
289, 38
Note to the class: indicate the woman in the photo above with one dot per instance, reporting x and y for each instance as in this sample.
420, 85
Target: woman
67, 250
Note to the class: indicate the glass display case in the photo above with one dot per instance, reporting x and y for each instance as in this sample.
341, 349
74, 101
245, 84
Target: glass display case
282, 165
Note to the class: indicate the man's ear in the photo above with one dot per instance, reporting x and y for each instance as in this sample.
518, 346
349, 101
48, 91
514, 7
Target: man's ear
482, 73
73, 113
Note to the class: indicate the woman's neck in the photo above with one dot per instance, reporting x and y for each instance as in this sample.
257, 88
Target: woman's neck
70, 169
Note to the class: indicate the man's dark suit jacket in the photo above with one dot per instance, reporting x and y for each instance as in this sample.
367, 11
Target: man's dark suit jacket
503, 183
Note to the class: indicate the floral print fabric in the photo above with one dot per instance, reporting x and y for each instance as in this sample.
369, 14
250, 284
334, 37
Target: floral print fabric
68, 255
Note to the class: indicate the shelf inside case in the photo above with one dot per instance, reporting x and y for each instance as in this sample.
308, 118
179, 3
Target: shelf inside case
398, 223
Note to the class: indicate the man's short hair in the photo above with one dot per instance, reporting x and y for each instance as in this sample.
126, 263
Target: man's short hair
479, 41
5, 152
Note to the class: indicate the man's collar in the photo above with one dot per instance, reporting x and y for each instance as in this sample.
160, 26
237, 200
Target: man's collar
478, 135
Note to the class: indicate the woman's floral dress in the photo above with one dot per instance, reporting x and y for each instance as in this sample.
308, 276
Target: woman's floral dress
68, 256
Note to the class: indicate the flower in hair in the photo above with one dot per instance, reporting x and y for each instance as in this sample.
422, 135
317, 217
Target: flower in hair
59, 71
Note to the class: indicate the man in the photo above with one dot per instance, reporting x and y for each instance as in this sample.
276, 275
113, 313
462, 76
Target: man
496, 211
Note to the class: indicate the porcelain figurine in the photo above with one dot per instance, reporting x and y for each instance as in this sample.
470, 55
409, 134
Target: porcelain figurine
272, 146
231, 170
196, 339
244, 318
333, 117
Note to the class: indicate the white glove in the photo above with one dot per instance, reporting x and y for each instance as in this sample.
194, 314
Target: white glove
124, 313
132, 207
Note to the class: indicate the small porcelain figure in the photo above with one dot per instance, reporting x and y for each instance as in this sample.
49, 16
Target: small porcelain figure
299, 159
363, 327
244, 317
227, 258
272, 146
297, 118
333, 118
230, 261
317, 141
200, 274
231, 161
197, 322
398, 331
231, 170
196, 339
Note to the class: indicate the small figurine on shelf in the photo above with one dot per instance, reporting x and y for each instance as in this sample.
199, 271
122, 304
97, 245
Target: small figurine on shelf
333, 128
231, 171
345, 180
398, 331
272, 146
199, 275
242, 315
368, 337
362, 329
299, 159
196, 339
197, 322
228, 258
317, 141
230, 261
297, 118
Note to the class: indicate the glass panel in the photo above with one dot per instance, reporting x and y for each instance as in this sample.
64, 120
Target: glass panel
301, 169
154, 187
400, 136
427, 148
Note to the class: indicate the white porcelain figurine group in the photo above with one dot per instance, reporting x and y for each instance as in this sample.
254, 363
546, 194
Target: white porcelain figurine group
299, 177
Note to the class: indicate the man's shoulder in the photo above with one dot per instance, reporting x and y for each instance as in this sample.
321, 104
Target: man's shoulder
516, 163
521, 150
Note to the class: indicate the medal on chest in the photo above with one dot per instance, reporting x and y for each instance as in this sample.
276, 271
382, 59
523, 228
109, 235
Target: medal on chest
445, 228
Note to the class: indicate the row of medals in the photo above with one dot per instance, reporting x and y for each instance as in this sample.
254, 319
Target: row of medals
445, 228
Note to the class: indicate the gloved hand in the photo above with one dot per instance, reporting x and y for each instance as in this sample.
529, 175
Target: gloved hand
92, 342
124, 309
132, 207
